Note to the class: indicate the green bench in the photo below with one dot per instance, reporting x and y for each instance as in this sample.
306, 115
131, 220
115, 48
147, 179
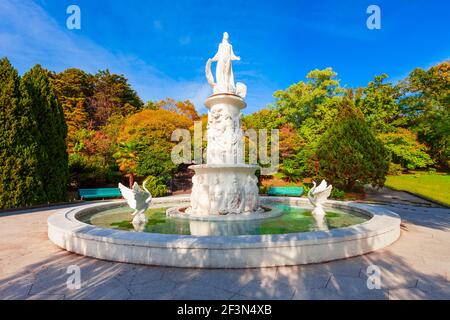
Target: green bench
99, 193
285, 191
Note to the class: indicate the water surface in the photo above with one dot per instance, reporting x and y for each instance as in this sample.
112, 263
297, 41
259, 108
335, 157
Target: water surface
294, 219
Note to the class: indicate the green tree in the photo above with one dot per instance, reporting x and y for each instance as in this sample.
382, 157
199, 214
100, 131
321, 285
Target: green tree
50, 132
311, 106
156, 161
406, 150
379, 105
349, 153
19, 183
426, 102
32, 140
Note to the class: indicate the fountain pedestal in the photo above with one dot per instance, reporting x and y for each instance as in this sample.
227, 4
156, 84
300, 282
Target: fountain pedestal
225, 185
224, 189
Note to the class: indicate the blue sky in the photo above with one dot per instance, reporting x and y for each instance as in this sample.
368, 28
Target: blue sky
162, 46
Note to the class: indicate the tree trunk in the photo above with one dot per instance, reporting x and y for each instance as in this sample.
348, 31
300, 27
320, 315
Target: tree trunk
131, 180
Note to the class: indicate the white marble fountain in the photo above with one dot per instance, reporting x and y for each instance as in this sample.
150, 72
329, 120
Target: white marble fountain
225, 188
224, 194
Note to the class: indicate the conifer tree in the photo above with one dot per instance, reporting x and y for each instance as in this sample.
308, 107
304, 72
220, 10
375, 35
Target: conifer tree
50, 132
20, 185
349, 153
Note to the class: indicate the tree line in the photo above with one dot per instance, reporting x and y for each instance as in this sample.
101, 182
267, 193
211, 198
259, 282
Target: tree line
74, 129
356, 136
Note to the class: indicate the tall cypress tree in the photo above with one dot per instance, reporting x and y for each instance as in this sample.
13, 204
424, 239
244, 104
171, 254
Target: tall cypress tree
50, 132
19, 183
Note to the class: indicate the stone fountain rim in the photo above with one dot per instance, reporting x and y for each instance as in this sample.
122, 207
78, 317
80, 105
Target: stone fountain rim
222, 251
250, 251
65, 223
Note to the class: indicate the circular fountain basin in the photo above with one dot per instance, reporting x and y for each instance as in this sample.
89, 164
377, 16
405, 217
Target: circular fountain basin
221, 245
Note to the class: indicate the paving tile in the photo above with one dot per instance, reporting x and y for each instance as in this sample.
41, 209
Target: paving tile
180, 274
238, 296
435, 286
347, 267
15, 289
230, 280
195, 291
354, 288
317, 294
396, 278
293, 273
45, 297
301, 277
408, 294
268, 290
152, 289
143, 275
110, 289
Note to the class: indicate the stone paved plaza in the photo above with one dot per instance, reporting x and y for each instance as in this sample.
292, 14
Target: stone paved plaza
417, 266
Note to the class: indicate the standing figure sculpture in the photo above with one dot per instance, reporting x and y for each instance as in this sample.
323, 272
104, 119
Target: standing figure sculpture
224, 70
139, 200
220, 186
251, 194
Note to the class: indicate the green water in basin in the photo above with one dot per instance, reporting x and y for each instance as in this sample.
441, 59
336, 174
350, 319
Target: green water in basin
294, 219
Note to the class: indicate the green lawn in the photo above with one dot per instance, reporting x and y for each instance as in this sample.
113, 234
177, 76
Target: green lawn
434, 186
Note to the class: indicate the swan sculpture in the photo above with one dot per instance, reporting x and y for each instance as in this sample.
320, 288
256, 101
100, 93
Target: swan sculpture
318, 195
139, 200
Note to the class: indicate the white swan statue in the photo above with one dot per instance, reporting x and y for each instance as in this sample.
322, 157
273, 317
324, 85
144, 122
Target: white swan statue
318, 195
139, 200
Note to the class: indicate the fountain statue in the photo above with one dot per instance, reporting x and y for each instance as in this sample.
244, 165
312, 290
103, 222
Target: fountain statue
224, 71
225, 185
139, 200
318, 195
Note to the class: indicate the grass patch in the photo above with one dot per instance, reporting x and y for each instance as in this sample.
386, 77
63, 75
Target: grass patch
435, 186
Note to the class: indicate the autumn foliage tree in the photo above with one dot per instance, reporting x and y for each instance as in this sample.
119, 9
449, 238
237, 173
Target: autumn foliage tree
111, 95
72, 88
149, 131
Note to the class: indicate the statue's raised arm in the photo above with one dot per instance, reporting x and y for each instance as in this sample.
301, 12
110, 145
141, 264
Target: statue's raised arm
233, 56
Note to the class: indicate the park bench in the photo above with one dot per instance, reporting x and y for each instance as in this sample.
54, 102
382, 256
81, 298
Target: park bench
285, 191
99, 193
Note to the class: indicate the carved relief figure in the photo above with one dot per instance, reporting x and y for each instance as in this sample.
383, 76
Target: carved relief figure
251, 192
235, 199
195, 194
203, 204
216, 196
